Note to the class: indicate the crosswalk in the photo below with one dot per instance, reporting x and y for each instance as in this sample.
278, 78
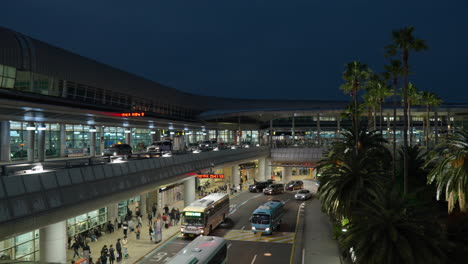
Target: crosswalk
247, 235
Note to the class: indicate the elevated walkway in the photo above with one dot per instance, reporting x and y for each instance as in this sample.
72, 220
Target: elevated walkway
32, 200
296, 155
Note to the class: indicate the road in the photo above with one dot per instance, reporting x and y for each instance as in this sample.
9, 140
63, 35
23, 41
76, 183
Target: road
244, 246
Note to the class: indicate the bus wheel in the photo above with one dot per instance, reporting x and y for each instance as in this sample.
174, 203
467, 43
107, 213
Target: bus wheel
211, 229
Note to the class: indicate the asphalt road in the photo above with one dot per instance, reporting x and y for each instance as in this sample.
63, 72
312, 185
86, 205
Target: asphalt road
243, 245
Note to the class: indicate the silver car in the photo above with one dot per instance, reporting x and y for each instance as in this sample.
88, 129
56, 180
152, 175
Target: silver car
303, 195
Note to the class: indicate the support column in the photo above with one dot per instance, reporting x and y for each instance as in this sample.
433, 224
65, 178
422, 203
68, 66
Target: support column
338, 127
5, 141
112, 212
103, 138
388, 125
63, 140
31, 142
92, 142
143, 204
270, 133
436, 126
319, 138
128, 136
236, 175
268, 168
189, 191
287, 174
293, 132
53, 243
41, 142
261, 169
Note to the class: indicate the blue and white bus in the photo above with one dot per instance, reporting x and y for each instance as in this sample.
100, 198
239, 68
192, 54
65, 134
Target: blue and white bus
203, 250
267, 217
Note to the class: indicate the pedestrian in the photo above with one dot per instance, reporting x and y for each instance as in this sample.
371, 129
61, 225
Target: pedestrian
140, 220
150, 217
110, 227
75, 246
125, 228
177, 216
166, 209
154, 208
138, 232
118, 247
105, 250
111, 254
151, 232
87, 252
125, 247
172, 216
103, 258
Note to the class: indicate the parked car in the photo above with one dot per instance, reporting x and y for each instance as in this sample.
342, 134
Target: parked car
118, 150
208, 145
303, 195
258, 186
160, 147
193, 147
294, 185
274, 188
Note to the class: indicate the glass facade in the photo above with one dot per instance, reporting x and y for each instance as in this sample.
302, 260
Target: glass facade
85, 222
131, 204
141, 138
113, 135
19, 140
7, 76
23, 247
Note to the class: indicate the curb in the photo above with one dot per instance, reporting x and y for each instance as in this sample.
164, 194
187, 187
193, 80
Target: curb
157, 247
296, 251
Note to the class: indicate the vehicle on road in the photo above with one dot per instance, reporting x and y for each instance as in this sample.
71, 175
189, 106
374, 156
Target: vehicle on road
208, 145
118, 150
303, 195
203, 250
294, 185
274, 188
205, 214
267, 217
160, 147
258, 186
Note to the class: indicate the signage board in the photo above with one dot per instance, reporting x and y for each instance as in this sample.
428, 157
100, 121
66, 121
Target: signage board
210, 176
135, 114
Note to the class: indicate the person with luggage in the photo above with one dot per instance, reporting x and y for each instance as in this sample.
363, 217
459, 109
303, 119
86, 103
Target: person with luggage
125, 247
118, 247
138, 231
125, 228
111, 254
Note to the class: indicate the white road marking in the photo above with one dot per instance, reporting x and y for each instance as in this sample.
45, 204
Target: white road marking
303, 255
235, 209
253, 260
242, 227
231, 245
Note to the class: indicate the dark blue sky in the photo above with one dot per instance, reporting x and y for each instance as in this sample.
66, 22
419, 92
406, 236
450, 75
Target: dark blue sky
293, 49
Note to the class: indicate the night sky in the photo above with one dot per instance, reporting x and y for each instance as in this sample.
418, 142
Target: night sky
253, 49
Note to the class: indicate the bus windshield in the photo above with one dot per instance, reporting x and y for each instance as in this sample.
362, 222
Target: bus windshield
260, 219
193, 218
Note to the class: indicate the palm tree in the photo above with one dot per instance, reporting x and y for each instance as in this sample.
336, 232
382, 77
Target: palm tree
451, 170
393, 71
382, 91
370, 103
429, 99
394, 228
414, 98
404, 42
355, 75
349, 176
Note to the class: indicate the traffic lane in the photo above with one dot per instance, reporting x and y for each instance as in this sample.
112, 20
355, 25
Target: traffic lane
166, 251
258, 252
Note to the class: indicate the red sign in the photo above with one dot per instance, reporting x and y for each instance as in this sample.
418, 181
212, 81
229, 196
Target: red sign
210, 176
132, 114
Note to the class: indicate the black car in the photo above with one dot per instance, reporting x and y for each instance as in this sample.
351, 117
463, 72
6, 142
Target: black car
258, 186
118, 150
274, 188
294, 185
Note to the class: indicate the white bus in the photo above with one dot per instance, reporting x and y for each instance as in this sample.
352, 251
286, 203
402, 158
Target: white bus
203, 250
204, 215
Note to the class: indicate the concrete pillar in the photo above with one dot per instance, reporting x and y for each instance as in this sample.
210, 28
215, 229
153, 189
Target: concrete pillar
189, 191
293, 132
128, 136
5, 141
144, 204
261, 169
41, 142
287, 175
103, 139
388, 126
268, 168
319, 138
270, 133
63, 140
236, 175
31, 142
112, 212
53, 243
338, 127
92, 143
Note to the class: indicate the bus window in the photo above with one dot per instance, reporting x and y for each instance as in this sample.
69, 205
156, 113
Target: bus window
260, 219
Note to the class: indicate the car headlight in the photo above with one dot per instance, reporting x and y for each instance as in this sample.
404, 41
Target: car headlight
115, 153
267, 229
253, 228
202, 231
182, 229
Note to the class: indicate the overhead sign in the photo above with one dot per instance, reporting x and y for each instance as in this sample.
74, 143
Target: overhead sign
136, 114
210, 176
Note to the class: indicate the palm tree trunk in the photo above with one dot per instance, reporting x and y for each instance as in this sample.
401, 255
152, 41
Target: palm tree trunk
395, 84
374, 113
410, 130
428, 126
405, 121
381, 115
356, 122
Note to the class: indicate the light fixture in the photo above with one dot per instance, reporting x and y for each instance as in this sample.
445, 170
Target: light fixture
153, 132
41, 128
172, 133
127, 131
92, 129
30, 127
344, 230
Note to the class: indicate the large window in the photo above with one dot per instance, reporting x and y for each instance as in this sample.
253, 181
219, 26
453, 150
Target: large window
84, 222
113, 135
23, 247
7, 76
141, 138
